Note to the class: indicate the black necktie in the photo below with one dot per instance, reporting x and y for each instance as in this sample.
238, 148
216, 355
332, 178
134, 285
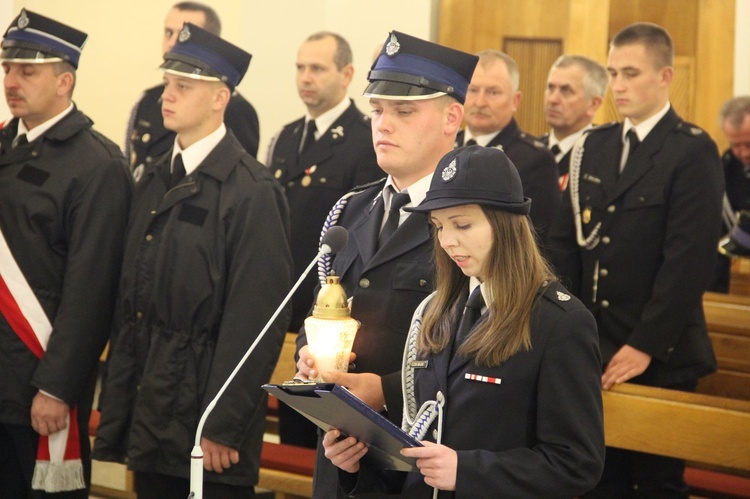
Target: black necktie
471, 142
633, 143
178, 171
309, 136
555, 150
20, 140
472, 313
398, 200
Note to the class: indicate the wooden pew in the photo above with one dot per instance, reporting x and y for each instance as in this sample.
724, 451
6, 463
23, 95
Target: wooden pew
702, 429
728, 320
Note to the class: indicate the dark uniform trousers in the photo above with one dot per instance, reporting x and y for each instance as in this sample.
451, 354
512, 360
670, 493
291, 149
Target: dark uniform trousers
386, 286
538, 171
644, 280
341, 159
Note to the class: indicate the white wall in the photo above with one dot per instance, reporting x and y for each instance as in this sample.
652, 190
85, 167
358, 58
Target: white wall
742, 48
123, 51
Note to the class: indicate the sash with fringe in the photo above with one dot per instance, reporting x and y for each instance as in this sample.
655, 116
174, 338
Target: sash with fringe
58, 464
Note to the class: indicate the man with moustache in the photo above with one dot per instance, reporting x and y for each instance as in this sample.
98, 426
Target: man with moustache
146, 137
206, 263
416, 90
491, 103
575, 89
642, 209
64, 198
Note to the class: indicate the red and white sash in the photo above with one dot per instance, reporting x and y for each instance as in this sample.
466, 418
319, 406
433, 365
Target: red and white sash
58, 463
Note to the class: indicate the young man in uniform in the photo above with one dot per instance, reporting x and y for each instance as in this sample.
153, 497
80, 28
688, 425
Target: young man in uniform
206, 264
386, 267
64, 198
643, 208
146, 137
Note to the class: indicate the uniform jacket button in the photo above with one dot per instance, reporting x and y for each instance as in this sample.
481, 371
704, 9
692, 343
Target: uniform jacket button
422, 283
149, 237
364, 283
435, 435
604, 272
605, 304
611, 208
606, 240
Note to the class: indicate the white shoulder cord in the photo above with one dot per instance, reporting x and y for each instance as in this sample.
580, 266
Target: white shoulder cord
416, 423
576, 158
324, 262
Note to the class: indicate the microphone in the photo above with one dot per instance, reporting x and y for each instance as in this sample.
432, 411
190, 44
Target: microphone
332, 241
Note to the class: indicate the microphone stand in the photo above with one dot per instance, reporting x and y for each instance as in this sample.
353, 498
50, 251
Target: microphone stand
196, 455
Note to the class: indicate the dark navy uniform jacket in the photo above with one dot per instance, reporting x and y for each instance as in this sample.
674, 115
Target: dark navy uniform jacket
64, 200
386, 286
644, 281
538, 433
206, 264
341, 159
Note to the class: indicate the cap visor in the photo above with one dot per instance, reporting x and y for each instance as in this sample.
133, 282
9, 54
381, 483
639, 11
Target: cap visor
383, 89
187, 70
27, 56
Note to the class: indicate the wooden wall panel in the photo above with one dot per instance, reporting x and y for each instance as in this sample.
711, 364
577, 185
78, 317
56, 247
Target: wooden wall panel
537, 57
702, 30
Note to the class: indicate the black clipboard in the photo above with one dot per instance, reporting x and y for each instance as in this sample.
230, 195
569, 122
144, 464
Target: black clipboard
333, 406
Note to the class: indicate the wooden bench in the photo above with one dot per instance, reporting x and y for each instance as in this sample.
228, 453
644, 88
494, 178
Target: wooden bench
728, 320
701, 429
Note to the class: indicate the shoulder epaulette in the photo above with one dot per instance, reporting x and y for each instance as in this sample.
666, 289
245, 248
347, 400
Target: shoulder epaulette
558, 295
690, 129
532, 141
603, 126
361, 188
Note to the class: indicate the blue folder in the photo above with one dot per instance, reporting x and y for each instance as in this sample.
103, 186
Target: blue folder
333, 406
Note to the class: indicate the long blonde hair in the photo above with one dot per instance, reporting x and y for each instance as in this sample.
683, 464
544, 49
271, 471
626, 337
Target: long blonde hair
515, 272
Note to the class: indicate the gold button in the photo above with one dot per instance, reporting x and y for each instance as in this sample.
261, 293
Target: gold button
422, 283
611, 208
149, 237
323, 180
604, 272
146, 138
605, 304
364, 283
606, 240
153, 212
139, 315
434, 435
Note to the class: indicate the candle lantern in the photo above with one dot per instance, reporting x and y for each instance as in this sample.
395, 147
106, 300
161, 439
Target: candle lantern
330, 330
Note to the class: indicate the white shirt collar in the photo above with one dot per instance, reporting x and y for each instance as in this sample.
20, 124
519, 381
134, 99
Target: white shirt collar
482, 140
325, 120
194, 155
644, 127
567, 143
39, 130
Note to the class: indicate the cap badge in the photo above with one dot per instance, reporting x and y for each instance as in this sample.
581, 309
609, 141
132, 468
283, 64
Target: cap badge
23, 20
393, 46
562, 296
184, 35
449, 171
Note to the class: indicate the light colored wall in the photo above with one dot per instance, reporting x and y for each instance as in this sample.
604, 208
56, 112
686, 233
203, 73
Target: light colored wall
123, 50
